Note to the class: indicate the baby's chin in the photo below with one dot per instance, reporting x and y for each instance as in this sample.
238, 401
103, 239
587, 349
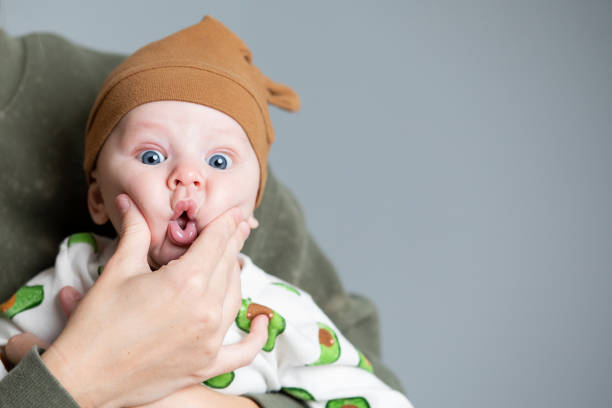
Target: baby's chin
170, 246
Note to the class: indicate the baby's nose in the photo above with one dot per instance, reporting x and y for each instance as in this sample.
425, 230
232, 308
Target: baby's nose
185, 176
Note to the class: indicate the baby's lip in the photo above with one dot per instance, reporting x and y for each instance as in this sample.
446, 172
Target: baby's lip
184, 206
181, 231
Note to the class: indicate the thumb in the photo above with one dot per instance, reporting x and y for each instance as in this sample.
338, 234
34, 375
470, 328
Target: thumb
69, 298
134, 239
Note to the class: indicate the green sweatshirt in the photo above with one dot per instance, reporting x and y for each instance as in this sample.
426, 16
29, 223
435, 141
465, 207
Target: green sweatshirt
47, 86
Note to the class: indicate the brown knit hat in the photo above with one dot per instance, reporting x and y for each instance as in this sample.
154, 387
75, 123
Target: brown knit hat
205, 64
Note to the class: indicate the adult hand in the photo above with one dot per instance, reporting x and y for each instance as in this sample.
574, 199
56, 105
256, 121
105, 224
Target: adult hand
138, 336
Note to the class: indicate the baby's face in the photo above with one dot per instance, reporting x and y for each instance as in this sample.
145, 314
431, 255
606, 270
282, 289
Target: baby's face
182, 164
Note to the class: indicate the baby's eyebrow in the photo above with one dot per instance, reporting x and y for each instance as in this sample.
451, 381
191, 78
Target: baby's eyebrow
147, 125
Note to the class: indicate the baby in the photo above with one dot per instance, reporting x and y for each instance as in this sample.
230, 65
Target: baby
182, 127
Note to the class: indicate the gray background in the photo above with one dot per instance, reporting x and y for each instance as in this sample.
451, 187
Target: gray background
453, 159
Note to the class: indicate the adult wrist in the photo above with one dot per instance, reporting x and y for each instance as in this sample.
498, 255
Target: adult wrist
70, 378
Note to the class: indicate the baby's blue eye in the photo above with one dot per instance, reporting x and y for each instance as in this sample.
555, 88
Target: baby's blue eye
219, 161
151, 157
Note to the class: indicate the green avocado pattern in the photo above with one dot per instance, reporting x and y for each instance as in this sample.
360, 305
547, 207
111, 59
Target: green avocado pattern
353, 402
288, 287
83, 237
365, 363
330, 347
249, 310
298, 393
25, 298
221, 381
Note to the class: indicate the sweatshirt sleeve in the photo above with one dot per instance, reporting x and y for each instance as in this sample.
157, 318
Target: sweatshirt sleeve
30, 384
47, 86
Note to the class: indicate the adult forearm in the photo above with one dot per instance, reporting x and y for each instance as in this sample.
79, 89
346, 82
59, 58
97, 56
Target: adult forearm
197, 396
30, 384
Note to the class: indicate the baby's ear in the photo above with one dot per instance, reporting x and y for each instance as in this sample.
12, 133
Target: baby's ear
95, 203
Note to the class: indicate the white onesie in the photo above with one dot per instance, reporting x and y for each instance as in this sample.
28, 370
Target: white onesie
305, 355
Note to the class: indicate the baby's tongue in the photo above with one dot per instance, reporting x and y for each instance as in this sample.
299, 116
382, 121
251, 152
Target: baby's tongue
182, 236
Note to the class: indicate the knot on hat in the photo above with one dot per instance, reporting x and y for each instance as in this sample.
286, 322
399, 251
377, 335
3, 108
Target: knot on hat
279, 95
282, 96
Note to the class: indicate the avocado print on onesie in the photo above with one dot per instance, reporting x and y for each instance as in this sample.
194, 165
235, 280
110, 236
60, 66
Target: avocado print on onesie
298, 393
355, 402
28, 297
288, 287
330, 347
250, 310
365, 363
25, 298
84, 238
220, 381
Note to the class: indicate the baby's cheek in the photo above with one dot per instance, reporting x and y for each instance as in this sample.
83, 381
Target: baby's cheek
237, 193
227, 202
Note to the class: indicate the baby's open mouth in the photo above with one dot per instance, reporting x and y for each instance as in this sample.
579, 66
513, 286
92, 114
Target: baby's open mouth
182, 229
182, 220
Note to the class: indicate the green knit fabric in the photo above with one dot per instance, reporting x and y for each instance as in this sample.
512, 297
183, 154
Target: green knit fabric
30, 384
47, 86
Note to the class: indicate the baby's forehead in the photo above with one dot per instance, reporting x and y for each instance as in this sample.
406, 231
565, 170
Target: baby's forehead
160, 111
177, 117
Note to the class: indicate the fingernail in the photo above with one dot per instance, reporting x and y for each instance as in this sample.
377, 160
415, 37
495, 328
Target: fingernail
123, 203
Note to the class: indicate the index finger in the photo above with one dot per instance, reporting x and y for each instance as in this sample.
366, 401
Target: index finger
209, 246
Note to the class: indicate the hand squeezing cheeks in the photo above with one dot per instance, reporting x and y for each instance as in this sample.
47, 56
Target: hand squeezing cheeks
68, 297
149, 351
